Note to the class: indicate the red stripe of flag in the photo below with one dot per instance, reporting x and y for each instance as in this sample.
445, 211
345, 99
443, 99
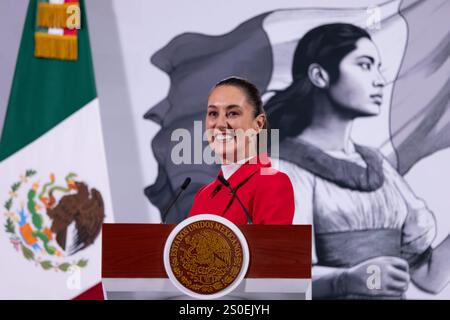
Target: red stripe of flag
93, 293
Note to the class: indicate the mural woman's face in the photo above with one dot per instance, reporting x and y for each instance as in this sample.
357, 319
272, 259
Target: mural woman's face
230, 124
359, 87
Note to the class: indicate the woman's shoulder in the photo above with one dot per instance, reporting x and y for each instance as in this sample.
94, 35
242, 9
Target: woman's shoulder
209, 186
292, 170
272, 174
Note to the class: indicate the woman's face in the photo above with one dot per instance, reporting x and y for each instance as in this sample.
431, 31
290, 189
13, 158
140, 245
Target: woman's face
231, 125
359, 88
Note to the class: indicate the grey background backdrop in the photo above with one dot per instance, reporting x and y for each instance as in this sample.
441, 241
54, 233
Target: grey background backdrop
124, 34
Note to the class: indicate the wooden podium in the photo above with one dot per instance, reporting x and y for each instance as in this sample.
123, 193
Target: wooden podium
279, 268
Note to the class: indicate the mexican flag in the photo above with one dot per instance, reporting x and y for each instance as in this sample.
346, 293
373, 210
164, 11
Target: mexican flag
54, 189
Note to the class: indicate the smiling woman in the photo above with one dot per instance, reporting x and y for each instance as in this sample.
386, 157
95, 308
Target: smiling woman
259, 194
233, 120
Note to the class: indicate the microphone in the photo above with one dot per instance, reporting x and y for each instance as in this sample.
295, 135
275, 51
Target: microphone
227, 184
216, 189
182, 188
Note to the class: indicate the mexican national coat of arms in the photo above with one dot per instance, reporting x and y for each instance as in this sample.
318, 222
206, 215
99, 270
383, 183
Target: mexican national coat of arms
50, 220
206, 256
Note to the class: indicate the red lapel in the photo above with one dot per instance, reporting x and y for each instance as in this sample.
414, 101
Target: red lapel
237, 179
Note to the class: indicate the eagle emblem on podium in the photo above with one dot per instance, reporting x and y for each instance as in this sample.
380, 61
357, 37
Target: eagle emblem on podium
206, 256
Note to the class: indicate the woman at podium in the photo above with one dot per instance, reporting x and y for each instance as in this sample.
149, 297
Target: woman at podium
247, 189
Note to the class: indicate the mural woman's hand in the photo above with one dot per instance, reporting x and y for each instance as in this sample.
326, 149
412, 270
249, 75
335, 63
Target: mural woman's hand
381, 276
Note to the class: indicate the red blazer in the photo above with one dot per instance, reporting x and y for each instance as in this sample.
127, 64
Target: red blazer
269, 199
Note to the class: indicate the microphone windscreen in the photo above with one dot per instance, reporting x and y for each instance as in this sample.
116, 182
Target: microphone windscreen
186, 183
223, 181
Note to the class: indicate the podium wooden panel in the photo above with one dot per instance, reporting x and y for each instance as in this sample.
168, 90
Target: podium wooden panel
132, 260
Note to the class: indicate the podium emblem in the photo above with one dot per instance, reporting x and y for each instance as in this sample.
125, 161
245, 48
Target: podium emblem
206, 256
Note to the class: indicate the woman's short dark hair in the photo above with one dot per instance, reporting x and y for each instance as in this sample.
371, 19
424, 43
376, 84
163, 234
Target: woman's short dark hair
291, 109
251, 91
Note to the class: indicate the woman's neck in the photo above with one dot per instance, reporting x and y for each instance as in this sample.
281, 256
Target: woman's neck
329, 129
239, 158
242, 155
